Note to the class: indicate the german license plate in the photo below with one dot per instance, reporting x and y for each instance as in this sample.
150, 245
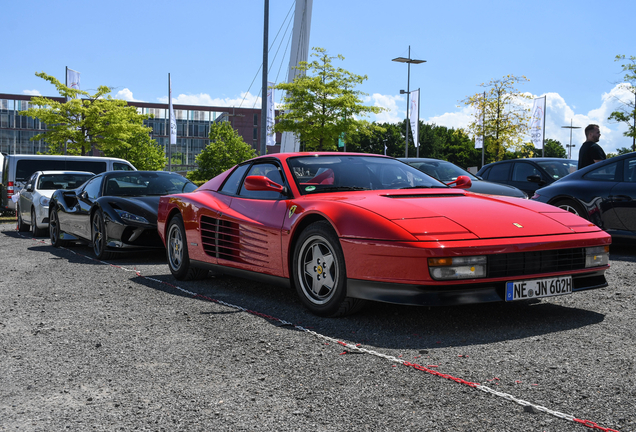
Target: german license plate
537, 288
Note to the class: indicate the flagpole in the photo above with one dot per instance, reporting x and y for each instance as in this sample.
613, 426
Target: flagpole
263, 143
169, 124
483, 131
417, 138
66, 84
545, 107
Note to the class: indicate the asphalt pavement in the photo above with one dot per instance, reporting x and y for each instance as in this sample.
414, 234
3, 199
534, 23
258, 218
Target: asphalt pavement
88, 345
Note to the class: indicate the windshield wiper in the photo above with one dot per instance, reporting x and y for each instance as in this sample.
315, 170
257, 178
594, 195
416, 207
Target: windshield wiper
341, 188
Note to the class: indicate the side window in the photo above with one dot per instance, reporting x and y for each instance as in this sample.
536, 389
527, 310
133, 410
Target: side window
231, 185
118, 166
604, 173
522, 170
92, 188
499, 172
485, 174
270, 171
629, 170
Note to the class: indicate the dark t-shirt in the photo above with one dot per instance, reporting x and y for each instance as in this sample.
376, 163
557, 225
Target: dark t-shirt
590, 151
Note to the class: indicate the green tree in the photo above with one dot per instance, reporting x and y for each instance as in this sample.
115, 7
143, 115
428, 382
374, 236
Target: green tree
627, 112
505, 116
142, 151
225, 150
553, 148
79, 125
322, 107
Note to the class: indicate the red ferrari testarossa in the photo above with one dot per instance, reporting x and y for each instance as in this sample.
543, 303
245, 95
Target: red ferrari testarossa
343, 228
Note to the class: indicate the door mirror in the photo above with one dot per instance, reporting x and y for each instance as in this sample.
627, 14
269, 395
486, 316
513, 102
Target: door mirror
462, 182
262, 183
535, 178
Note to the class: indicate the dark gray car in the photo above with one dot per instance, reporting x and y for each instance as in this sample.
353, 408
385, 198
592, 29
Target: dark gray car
447, 172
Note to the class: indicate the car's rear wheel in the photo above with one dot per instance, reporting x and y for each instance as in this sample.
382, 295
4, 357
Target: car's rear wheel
573, 207
22, 227
55, 231
99, 237
35, 231
177, 253
319, 272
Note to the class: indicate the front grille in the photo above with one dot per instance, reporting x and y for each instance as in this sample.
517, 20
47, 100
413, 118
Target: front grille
528, 263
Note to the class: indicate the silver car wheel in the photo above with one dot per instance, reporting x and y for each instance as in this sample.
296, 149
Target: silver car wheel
318, 270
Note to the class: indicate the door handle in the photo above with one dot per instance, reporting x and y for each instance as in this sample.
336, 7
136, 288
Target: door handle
620, 198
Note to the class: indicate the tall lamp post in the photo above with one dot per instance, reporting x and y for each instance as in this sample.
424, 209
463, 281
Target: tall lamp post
570, 145
408, 60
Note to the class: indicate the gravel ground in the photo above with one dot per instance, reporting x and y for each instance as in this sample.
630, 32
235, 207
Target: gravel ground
89, 346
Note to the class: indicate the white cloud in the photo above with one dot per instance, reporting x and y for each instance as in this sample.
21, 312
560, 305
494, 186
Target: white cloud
126, 95
390, 103
246, 100
32, 92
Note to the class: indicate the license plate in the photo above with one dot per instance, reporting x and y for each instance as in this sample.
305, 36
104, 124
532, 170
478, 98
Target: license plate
536, 288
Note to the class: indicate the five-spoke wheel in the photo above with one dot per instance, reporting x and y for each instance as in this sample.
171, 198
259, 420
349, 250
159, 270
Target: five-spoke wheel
177, 252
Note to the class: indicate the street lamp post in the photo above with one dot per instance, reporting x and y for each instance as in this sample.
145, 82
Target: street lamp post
569, 146
408, 60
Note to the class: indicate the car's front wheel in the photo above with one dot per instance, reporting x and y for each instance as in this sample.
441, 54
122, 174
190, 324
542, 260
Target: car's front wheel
177, 252
35, 231
99, 237
319, 272
55, 230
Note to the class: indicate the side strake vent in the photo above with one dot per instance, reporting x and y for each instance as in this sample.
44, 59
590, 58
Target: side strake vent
233, 242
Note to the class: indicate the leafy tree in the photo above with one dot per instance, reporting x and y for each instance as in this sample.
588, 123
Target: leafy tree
142, 151
225, 150
553, 148
627, 113
320, 108
80, 125
505, 116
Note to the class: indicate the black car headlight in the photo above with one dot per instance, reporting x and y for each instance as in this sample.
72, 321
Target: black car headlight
131, 217
468, 267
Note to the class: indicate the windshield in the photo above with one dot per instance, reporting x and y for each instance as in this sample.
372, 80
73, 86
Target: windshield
140, 183
62, 181
441, 170
329, 173
559, 168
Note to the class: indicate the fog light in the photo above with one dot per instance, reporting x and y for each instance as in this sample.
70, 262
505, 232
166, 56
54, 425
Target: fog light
457, 267
596, 256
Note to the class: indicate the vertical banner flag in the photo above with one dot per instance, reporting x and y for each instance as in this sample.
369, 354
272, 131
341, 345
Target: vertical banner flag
415, 118
173, 121
72, 79
537, 122
479, 137
271, 136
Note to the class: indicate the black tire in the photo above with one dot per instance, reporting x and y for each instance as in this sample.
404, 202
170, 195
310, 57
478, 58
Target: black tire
22, 227
99, 237
319, 273
35, 231
573, 207
55, 230
177, 253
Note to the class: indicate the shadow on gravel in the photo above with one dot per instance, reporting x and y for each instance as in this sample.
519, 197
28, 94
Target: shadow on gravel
622, 251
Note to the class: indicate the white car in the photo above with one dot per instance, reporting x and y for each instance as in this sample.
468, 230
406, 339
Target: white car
33, 203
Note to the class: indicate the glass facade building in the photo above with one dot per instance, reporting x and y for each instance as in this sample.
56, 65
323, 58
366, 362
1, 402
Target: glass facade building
193, 127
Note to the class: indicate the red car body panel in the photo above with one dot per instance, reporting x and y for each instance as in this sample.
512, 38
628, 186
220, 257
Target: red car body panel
386, 235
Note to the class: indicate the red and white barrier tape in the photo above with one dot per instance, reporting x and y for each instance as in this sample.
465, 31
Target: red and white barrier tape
358, 348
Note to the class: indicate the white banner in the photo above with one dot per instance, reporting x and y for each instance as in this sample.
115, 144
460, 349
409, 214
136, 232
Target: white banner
537, 132
479, 136
415, 116
72, 79
173, 120
271, 136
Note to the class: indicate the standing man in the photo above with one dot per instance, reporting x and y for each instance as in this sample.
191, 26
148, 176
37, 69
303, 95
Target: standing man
590, 151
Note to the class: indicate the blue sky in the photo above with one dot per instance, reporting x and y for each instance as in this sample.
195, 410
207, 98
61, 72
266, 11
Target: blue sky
213, 50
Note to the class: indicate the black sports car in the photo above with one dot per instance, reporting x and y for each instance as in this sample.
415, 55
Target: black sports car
113, 211
603, 193
528, 174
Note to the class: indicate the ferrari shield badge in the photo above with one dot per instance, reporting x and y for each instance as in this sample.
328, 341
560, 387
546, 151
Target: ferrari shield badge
292, 209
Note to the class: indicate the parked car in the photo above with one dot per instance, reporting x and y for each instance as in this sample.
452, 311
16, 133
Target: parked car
18, 168
343, 228
113, 211
448, 172
603, 193
33, 202
528, 174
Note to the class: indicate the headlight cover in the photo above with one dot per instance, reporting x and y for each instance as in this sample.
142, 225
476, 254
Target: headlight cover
596, 256
468, 267
44, 201
130, 217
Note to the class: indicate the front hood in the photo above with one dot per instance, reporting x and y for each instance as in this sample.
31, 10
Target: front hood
443, 214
